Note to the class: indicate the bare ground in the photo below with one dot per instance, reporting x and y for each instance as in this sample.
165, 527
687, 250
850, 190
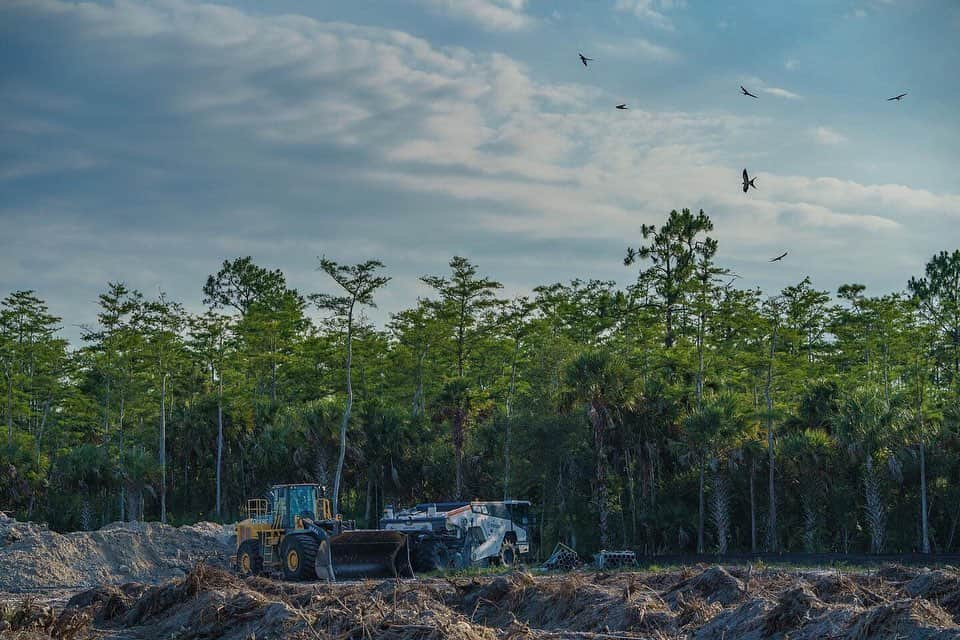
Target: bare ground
697, 603
207, 601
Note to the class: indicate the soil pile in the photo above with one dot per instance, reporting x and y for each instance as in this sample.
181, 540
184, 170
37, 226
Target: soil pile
33, 557
712, 603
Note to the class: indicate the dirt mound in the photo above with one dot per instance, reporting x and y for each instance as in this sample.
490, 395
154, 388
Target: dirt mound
861, 592
107, 602
746, 622
915, 619
941, 586
33, 557
793, 610
570, 603
34, 619
713, 585
209, 602
898, 573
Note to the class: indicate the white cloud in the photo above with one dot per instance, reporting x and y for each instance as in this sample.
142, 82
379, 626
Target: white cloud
755, 82
652, 12
305, 135
790, 64
828, 136
634, 48
780, 93
493, 15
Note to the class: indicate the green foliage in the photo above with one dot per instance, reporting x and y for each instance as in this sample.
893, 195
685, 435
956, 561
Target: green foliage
645, 417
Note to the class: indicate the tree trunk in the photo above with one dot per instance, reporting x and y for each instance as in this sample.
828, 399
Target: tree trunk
630, 466
43, 424
346, 416
123, 484
163, 450
458, 426
721, 510
808, 503
700, 503
668, 337
506, 442
418, 400
86, 512
923, 462
771, 488
219, 445
876, 518
597, 418
753, 508
366, 510
10, 404
923, 492
953, 527
699, 389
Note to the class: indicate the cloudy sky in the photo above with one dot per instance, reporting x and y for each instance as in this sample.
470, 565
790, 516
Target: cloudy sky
146, 141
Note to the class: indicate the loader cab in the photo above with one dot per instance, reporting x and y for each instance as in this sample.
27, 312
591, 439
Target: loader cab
290, 503
519, 513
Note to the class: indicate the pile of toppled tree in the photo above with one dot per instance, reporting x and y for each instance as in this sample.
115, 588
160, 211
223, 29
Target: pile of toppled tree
699, 602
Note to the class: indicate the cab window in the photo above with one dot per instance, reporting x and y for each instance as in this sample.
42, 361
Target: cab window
302, 502
520, 514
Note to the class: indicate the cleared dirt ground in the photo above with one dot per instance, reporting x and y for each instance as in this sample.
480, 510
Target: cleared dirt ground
207, 601
701, 602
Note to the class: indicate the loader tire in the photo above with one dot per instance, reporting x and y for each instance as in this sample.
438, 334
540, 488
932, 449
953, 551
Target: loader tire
297, 556
431, 555
249, 560
508, 555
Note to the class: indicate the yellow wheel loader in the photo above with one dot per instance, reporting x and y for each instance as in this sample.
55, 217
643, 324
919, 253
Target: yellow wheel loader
293, 531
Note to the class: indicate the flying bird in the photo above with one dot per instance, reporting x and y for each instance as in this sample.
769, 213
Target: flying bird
622, 106
584, 59
747, 93
780, 257
748, 181
897, 98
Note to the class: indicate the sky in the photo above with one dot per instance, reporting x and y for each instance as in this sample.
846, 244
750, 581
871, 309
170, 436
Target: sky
148, 141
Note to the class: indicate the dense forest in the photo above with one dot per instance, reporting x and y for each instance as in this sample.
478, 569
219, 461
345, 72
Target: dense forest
680, 413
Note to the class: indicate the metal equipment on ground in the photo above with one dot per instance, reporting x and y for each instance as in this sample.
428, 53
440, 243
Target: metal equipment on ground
443, 535
293, 531
606, 560
563, 558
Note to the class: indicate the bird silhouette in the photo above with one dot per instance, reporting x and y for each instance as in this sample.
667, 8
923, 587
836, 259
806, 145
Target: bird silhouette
584, 59
780, 257
747, 93
897, 98
748, 181
622, 107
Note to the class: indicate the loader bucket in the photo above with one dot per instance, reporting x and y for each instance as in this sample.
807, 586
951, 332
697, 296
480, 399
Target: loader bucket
355, 555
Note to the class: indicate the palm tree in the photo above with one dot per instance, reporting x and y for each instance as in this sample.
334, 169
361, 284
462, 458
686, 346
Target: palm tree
600, 381
709, 433
868, 425
809, 451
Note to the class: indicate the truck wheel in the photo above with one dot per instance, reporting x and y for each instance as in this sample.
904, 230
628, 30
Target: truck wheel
249, 560
297, 555
431, 555
508, 555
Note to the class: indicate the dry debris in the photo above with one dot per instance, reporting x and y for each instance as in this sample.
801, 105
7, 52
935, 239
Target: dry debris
704, 603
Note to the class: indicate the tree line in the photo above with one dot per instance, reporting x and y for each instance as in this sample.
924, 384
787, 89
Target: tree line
679, 413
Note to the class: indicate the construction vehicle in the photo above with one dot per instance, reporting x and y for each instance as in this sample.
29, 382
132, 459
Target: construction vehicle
294, 531
445, 535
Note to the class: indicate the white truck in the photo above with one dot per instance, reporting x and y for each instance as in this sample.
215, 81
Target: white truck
443, 535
